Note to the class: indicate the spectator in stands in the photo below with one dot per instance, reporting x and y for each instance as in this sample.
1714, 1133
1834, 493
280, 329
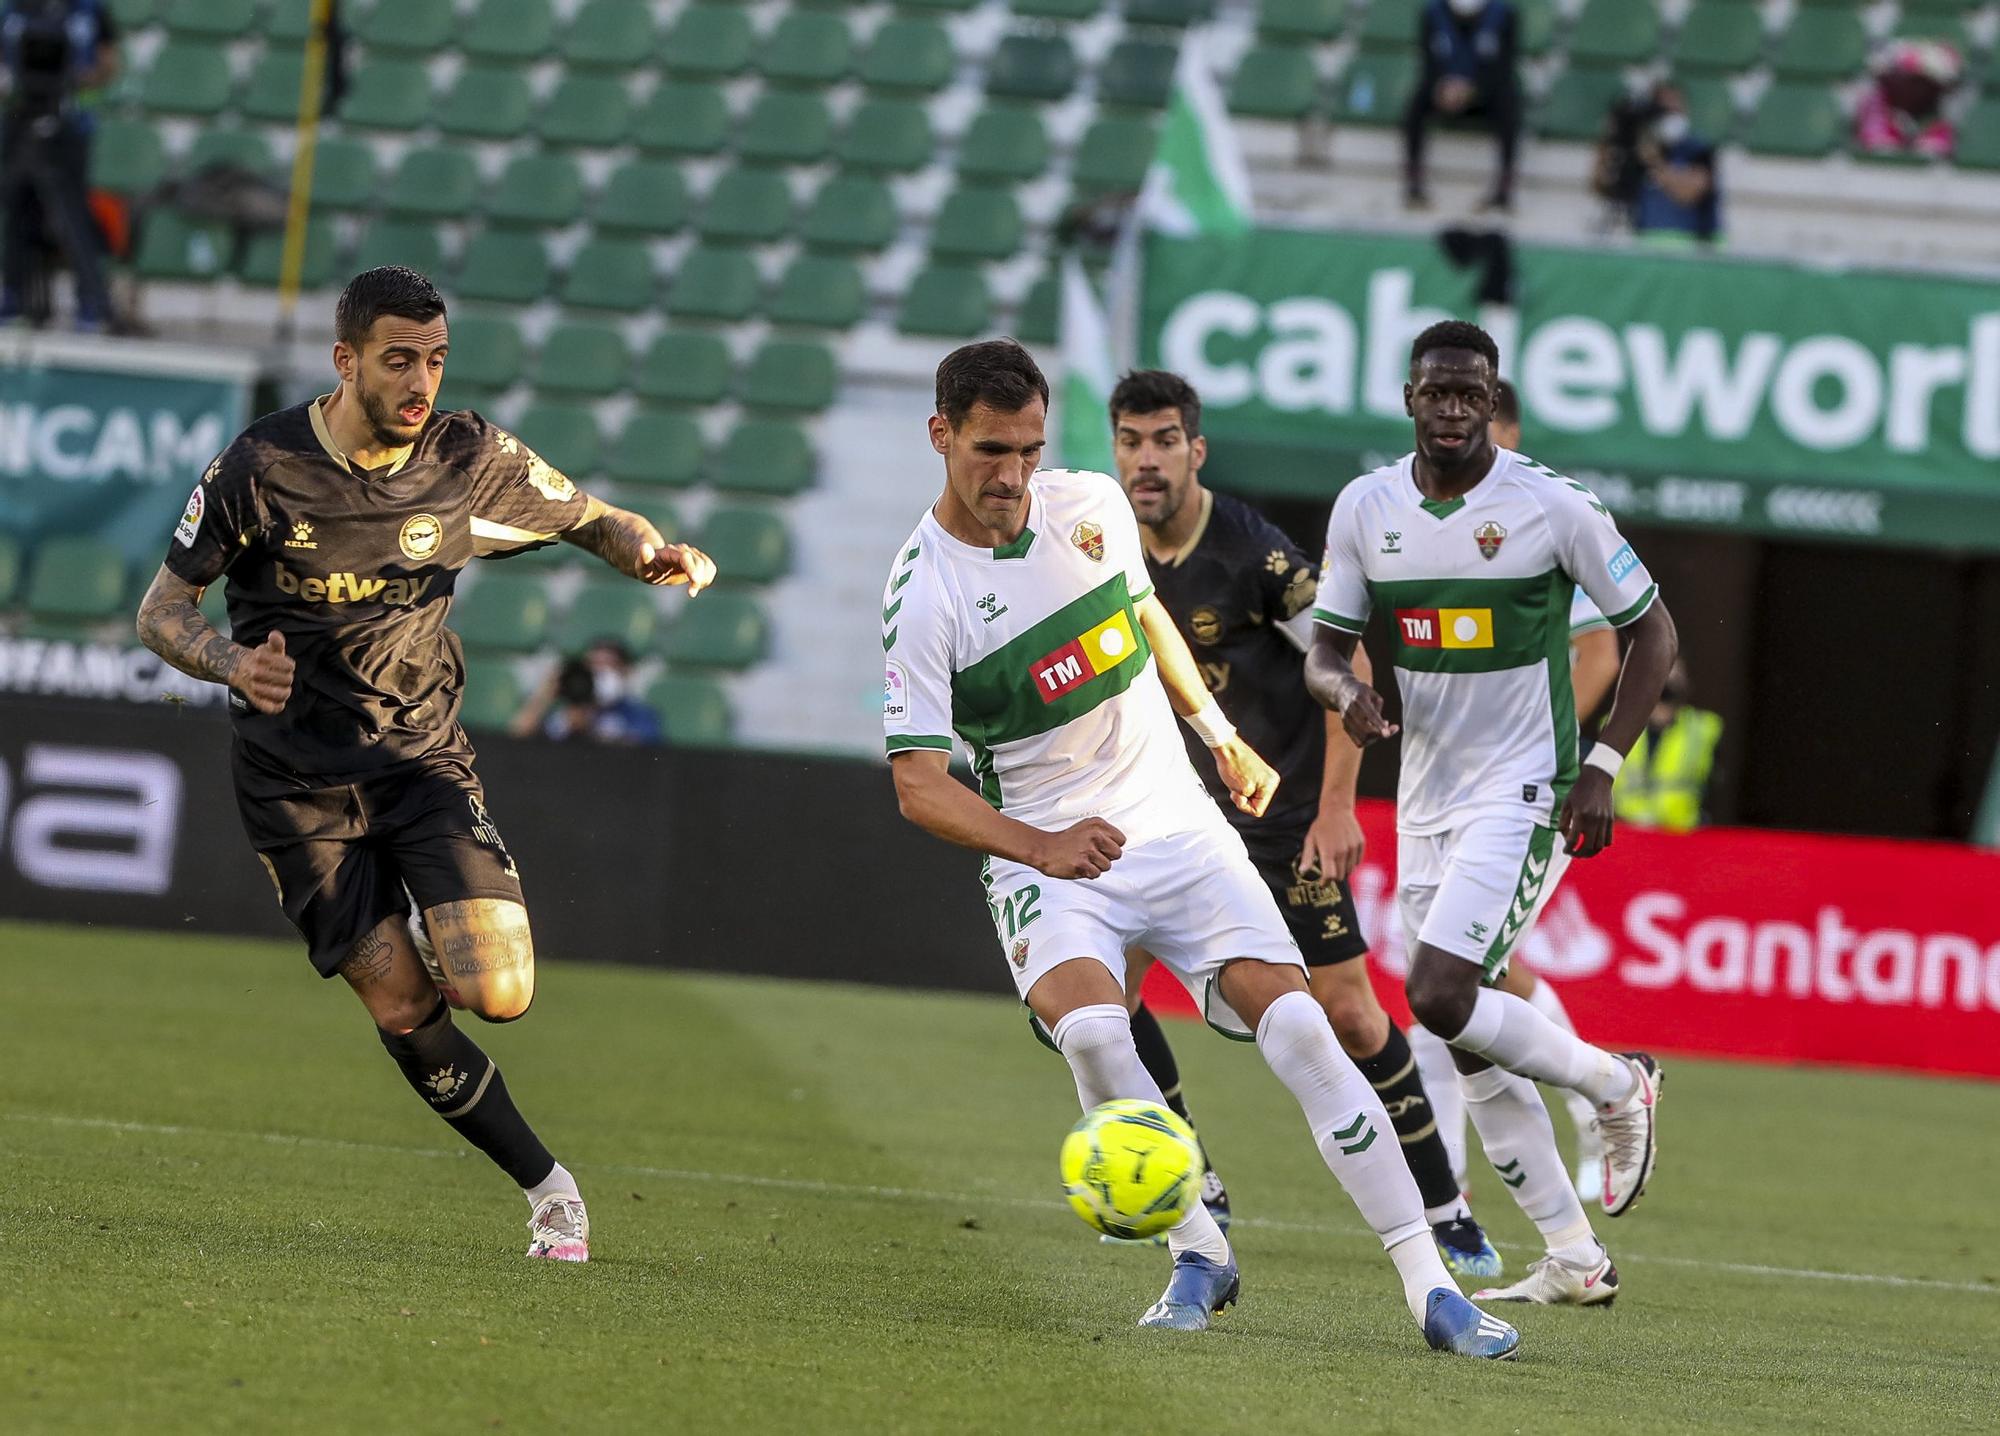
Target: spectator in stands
1664, 781
1904, 112
1677, 193
591, 697
1468, 49
55, 55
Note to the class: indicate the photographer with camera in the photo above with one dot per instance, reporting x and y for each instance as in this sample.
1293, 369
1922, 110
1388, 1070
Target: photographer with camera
1656, 171
54, 56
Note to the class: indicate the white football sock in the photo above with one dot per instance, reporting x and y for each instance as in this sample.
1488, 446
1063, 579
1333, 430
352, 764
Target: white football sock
1582, 1111
1512, 1034
558, 1183
1097, 1043
1423, 1272
1440, 1076
1520, 1141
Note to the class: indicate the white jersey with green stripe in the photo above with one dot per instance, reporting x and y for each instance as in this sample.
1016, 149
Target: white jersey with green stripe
1479, 593
1033, 656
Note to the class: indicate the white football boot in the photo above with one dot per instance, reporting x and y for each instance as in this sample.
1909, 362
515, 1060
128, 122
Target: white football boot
1631, 1135
559, 1230
1554, 1282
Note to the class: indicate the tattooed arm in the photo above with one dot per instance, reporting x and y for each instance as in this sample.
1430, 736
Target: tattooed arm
630, 544
172, 624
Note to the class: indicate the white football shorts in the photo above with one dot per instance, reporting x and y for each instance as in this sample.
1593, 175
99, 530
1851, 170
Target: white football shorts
1476, 891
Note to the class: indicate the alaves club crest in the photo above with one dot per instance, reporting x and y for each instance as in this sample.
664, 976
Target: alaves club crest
1090, 538
1490, 536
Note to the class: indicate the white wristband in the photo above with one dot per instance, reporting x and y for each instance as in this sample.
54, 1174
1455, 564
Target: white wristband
1605, 759
1210, 725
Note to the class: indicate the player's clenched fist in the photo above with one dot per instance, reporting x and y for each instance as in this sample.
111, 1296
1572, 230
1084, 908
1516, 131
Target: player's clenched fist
263, 675
1362, 717
1251, 781
1086, 850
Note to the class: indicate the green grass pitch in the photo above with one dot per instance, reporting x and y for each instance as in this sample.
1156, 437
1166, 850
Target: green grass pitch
822, 1208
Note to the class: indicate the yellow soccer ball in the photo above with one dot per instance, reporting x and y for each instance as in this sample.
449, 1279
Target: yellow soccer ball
1131, 1169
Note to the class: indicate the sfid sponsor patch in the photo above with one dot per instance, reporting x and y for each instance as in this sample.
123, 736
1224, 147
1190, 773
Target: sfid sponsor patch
1622, 563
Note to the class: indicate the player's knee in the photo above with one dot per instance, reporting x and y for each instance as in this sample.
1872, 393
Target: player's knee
501, 996
1441, 1005
1358, 1020
402, 1014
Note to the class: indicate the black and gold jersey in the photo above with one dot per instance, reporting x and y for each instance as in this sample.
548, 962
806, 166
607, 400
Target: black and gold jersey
1232, 590
356, 568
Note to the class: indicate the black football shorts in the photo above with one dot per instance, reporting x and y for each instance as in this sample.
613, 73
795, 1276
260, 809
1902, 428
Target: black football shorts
341, 856
1319, 911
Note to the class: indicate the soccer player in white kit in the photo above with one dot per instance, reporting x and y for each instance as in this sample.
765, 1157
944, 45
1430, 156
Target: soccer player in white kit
1018, 617
1475, 553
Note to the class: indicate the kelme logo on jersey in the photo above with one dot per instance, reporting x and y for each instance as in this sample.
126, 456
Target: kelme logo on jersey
1083, 658
351, 588
1445, 627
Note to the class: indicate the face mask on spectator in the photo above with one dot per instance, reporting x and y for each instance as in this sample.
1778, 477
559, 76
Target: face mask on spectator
609, 685
1466, 9
1670, 129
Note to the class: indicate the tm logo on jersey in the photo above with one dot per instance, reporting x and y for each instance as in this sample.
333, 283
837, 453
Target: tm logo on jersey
1446, 627
1083, 658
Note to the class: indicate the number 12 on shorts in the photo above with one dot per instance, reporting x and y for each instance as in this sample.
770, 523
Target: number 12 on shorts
1016, 910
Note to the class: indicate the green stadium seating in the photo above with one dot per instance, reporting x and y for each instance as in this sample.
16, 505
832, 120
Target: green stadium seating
939, 4
978, 223
649, 502
747, 206
684, 366
763, 456
1374, 89
1169, 12
910, 56
1801, 120
786, 127
611, 274
582, 358
609, 34
1577, 103
343, 174
1821, 45
491, 698
819, 292
401, 241
807, 48
273, 89
387, 94
488, 102
714, 283
517, 30
506, 612
718, 630
1290, 21
1138, 74
1979, 138
132, 14
1113, 156
209, 17
504, 267
187, 77
749, 545
591, 110
1274, 82
851, 212
286, 20
1005, 142
947, 300
1536, 27
683, 120
789, 374
1039, 317
692, 709
76, 581
486, 352
1711, 107
173, 247
644, 197
10, 570
657, 448
1719, 36
415, 27
1057, 9
537, 190
433, 181
710, 40
242, 149
564, 434
892, 136
609, 608
126, 156
263, 257
1032, 67
1615, 32
1391, 25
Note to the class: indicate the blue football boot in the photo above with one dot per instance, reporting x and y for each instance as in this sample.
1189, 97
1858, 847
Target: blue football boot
1198, 1287
1465, 1249
1451, 1323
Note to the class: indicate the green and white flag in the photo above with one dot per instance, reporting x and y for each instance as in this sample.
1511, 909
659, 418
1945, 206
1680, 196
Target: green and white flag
1198, 183
1088, 373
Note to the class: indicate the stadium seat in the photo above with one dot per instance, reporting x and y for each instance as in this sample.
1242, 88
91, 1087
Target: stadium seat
1113, 156
909, 55
174, 247
806, 48
1274, 82
343, 174
1577, 103
1536, 27
749, 545
1138, 74
714, 283
626, 612
643, 197
709, 39
591, 110
819, 292
272, 92
1615, 32
1711, 107
505, 267
234, 148
401, 241
506, 612
582, 358
187, 77
693, 710
723, 630
263, 257
1821, 45
1719, 35
684, 366
416, 27
763, 456
517, 30
611, 274
978, 223
387, 94
433, 181
656, 447
1802, 120
1979, 139
785, 127
1391, 26
789, 374
132, 14
492, 696
683, 120
851, 212
486, 352
10, 570
537, 190
609, 34
1291, 21
126, 156
286, 20
564, 434
1005, 142
893, 136
1032, 67
1039, 317
488, 102
1374, 89
954, 5
747, 206
1057, 9
227, 18
76, 582
948, 300
1169, 12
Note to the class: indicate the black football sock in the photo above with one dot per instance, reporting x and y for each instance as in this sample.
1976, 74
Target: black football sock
461, 1084
1158, 1059
1392, 1072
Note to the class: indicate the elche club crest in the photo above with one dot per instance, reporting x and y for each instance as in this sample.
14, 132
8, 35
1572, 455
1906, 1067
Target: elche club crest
1089, 537
1489, 537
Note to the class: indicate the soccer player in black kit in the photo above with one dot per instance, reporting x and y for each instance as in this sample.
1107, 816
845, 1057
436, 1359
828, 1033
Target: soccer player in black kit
341, 526
1242, 593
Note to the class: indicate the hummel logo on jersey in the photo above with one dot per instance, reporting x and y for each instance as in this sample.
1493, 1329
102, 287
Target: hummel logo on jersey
1477, 931
1446, 627
1389, 544
1083, 658
302, 536
991, 606
351, 588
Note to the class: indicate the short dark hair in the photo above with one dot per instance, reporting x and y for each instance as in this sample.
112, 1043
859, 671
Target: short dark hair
392, 289
1506, 403
1147, 391
1456, 334
995, 372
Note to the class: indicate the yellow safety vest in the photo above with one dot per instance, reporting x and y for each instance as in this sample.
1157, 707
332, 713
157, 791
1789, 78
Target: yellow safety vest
1661, 787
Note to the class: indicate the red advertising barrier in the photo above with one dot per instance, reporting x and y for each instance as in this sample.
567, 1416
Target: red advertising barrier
1742, 943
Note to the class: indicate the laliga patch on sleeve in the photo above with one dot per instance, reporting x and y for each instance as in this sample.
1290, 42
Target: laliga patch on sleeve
190, 519
1622, 563
895, 694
